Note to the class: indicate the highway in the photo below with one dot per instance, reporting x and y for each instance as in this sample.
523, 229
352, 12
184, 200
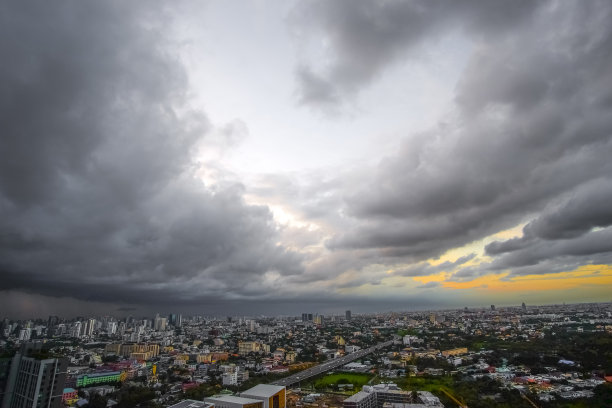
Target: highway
329, 365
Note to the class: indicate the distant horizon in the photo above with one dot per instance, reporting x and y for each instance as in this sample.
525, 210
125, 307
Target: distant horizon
314, 313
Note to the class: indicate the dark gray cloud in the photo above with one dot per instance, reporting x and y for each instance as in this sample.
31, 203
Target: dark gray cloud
531, 135
366, 37
570, 232
430, 285
98, 194
100, 198
425, 268
586, 208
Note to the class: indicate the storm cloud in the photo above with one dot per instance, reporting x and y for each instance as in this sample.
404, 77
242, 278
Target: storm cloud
99, 198
521, 141
118, 185
364, 38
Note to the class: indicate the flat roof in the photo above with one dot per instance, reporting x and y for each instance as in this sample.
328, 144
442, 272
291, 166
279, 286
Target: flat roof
263, 390
231, 399
100, 374
189, 403
357, 397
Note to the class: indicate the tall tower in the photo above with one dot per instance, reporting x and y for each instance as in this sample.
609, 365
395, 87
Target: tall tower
348, 315
35, 380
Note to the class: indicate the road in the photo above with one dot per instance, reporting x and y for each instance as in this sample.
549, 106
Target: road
329, 365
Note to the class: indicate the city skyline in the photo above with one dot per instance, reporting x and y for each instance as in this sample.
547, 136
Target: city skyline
279, 157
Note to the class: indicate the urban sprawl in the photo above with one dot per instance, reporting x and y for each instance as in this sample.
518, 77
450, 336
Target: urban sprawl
523, 356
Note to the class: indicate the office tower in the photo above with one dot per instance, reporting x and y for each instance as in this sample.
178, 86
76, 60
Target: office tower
91, 326
25, 334
304, 317
524, 307
493, 307
76, 330
111, 327
5, 369
348, 315
52, 321
35, 379
160, 323
175, 320
251, 325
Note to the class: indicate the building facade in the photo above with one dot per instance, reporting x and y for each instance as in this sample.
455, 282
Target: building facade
35, 380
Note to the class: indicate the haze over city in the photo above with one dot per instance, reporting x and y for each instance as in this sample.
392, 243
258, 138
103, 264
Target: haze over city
275, 157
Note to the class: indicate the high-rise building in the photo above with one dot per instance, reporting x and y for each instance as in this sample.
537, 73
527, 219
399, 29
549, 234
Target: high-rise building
160, 323
76, 330
25, 334
5, 369
348, 315
91, 326
493, 307
175, 320
251, 325
35, 379
111, 327
524, 307
52, 321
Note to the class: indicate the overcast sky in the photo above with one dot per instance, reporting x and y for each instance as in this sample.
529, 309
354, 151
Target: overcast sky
279, 157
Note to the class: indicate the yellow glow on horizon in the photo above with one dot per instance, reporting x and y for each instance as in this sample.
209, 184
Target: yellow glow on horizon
587, 275
439, 277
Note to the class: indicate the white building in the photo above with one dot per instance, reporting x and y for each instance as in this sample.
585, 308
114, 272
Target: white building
230, 378
25, 334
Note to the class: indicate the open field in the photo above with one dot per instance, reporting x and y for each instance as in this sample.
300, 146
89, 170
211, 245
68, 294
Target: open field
331, 380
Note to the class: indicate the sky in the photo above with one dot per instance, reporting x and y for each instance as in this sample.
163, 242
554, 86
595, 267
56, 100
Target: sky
279, 157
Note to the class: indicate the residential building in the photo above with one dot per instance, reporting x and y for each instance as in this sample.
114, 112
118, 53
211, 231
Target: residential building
35, 380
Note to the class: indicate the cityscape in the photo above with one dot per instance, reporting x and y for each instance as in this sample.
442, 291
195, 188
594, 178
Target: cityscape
305, 204
540, 356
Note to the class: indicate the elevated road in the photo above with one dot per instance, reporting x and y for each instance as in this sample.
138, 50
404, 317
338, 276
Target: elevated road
329, 365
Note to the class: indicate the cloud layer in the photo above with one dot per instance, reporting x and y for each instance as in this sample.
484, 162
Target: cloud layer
98, 189
531, 135
107, 192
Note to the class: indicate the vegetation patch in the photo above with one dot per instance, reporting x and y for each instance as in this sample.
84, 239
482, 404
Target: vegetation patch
333, 380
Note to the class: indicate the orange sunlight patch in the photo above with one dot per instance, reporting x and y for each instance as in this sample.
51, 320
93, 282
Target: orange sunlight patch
587, 275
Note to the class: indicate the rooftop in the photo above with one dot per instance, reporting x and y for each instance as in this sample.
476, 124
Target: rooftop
191, 404
263, 390
229, 398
